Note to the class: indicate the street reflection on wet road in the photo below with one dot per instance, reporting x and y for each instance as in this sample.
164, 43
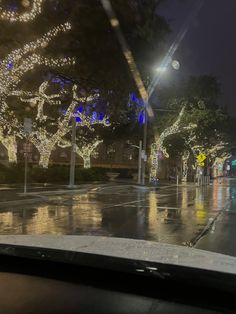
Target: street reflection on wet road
170, 214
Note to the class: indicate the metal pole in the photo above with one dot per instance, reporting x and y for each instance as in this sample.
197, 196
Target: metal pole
26, 170
144, 146
72, 159
140, 162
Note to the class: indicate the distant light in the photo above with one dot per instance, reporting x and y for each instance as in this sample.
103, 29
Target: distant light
114, 22
25, 3
175, 64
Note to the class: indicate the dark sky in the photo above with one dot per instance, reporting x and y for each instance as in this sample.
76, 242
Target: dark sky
210, 44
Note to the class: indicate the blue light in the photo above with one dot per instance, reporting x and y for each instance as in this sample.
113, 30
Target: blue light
10, 66
81, 109
101, 116
94, 117
134, 97
78, 120
142, 118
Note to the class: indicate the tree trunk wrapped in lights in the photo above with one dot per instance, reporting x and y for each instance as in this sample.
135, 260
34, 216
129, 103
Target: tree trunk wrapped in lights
9, 131
9, 142
220, 160
185, 159
87, 150
159, 148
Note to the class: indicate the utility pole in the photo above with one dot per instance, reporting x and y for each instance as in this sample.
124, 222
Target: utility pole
144, 153
27, 149
140, 162
73, 156
26, 172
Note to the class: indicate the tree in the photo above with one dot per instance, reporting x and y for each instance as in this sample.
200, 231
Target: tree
46, 141
15, 65
200, 96
158, 147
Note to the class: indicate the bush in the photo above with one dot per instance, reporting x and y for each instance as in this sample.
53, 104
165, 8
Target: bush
57, 174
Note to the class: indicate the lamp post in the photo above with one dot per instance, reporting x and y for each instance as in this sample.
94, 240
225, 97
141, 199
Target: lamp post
73, 155
140, 147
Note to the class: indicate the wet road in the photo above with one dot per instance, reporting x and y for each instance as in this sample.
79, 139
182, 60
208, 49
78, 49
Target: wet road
170, 214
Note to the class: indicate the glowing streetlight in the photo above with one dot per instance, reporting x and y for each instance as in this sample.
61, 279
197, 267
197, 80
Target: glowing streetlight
175, 65
161, 69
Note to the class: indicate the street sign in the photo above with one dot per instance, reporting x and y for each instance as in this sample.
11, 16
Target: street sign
201, 157
201, 164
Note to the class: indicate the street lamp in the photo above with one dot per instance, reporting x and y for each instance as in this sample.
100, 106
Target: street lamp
160, 71
139, 160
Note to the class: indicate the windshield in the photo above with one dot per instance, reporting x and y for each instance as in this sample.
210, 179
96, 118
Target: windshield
117, 119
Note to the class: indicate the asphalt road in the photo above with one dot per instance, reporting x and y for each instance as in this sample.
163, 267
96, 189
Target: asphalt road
221, 237
176, 215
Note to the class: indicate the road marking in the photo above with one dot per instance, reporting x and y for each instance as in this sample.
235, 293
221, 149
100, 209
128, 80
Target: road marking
127, 203
166, 207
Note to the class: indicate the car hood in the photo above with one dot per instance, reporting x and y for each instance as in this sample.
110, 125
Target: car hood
130, 249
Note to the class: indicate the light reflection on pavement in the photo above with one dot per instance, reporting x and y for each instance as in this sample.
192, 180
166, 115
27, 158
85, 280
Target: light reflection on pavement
172, 215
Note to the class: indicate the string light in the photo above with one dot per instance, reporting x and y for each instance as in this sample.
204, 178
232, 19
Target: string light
24, 17
9, 131
9, 142
39, 98
87, 150
185, 159
16, 64
46, 141
220, 160
159, 145
89, 121
25, 59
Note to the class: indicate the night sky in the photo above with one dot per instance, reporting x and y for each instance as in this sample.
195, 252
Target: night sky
210, 44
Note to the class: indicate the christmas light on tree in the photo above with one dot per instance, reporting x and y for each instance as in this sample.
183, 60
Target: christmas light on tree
10, 143
86, 150
46, 141
9, 131
39, 98
36, 6
159, 145
22, 60
185, 159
